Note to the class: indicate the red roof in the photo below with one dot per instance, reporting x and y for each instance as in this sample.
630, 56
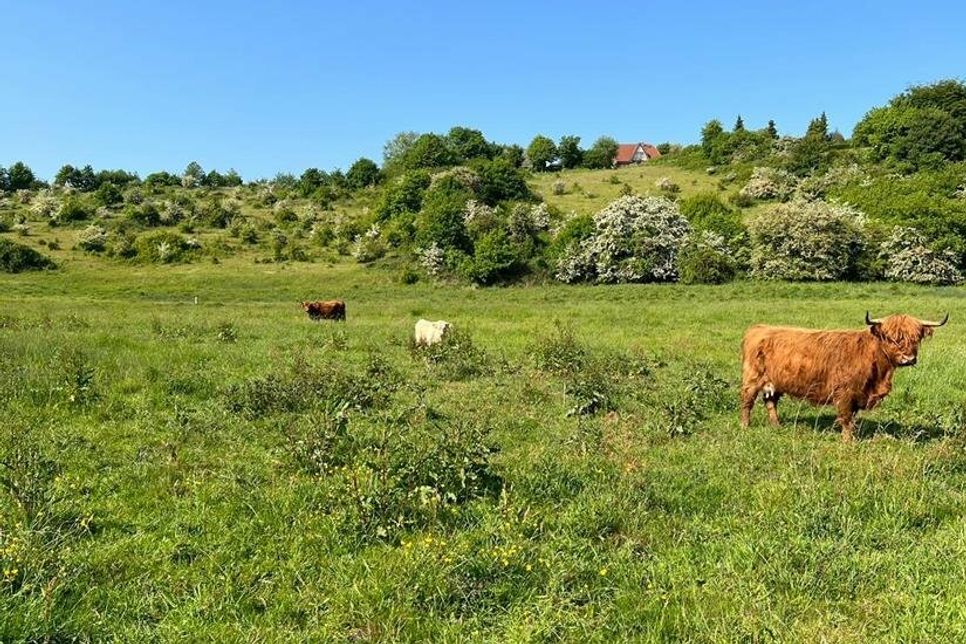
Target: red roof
625, 152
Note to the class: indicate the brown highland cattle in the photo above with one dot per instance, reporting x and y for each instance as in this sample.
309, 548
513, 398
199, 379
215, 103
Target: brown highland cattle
325, 310
851, 370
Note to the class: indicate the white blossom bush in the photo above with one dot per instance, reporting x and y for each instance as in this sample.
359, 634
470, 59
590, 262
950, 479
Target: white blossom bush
476, 211
92, 239
635, 239
23, 196
45, 205
432, 259
806, 241
527, 221
816, 187
369, 246
466, 177
907, 257
769, 183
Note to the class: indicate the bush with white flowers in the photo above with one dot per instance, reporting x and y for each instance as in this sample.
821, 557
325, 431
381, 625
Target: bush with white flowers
45, 205
907, 257
432, 259
770, 183
369, 246
807, 241
635, 239
93, 239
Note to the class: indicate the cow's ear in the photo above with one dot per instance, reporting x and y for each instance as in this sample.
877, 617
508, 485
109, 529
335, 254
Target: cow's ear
876, 330
926, 331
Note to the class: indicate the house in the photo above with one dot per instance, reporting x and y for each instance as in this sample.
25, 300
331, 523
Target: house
628, 153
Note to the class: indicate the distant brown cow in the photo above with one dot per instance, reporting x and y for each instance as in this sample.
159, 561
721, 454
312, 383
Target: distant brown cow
849, 369
327, 310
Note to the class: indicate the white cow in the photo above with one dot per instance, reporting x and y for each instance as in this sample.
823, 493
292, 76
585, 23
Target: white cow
430, 333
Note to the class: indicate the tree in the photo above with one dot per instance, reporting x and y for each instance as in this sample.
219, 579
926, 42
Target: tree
468, 144
4, 179
428, 151
711, 135
772, 130
739, 125
818, 127
193, 175
541, 152
396, 148
571, 155
514, 154
362, 174
500, 181
20, 177
601, 154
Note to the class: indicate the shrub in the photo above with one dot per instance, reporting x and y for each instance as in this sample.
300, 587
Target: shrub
73, 209
108, 194
369, 247
161, 247
770, 183
706, 259
45, 205
93, 239
17, 258
403, 195
635, 239
665, 185
706, 212
559, 187
807, 241
145, 214
500, 181
907, 257
495, 258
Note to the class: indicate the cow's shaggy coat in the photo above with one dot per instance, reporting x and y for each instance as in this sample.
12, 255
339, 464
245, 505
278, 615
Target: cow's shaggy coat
851, 370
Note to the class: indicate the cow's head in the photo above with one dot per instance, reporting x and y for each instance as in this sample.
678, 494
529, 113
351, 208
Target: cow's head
443, 327
900, 335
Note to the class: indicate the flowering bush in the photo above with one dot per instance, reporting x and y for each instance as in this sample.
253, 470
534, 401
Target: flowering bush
769, 183
369, 247
432, 259
807, 241
635, 239
45, 205
908, 258
93, 239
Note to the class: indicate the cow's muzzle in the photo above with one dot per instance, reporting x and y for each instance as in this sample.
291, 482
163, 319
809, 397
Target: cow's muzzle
908, 362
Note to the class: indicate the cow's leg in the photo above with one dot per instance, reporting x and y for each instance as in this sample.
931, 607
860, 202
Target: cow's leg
846, 420
749, 394
771, 404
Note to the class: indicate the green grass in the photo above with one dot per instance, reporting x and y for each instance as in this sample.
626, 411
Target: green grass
160, 511
587, 191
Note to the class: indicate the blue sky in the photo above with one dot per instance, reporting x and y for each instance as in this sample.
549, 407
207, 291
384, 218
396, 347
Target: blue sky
269, 87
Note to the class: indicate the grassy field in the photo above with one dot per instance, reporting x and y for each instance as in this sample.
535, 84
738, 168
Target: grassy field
587, 191
570, 469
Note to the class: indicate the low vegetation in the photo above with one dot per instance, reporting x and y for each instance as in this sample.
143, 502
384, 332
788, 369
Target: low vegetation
568, 464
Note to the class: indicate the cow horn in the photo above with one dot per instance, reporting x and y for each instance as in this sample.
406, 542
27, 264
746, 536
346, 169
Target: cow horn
870, 321
928, 323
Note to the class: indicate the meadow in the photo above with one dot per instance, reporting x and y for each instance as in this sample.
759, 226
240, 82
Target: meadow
570, 467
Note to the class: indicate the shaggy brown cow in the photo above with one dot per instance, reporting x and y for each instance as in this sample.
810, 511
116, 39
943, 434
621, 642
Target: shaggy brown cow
327, 310
849, 369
